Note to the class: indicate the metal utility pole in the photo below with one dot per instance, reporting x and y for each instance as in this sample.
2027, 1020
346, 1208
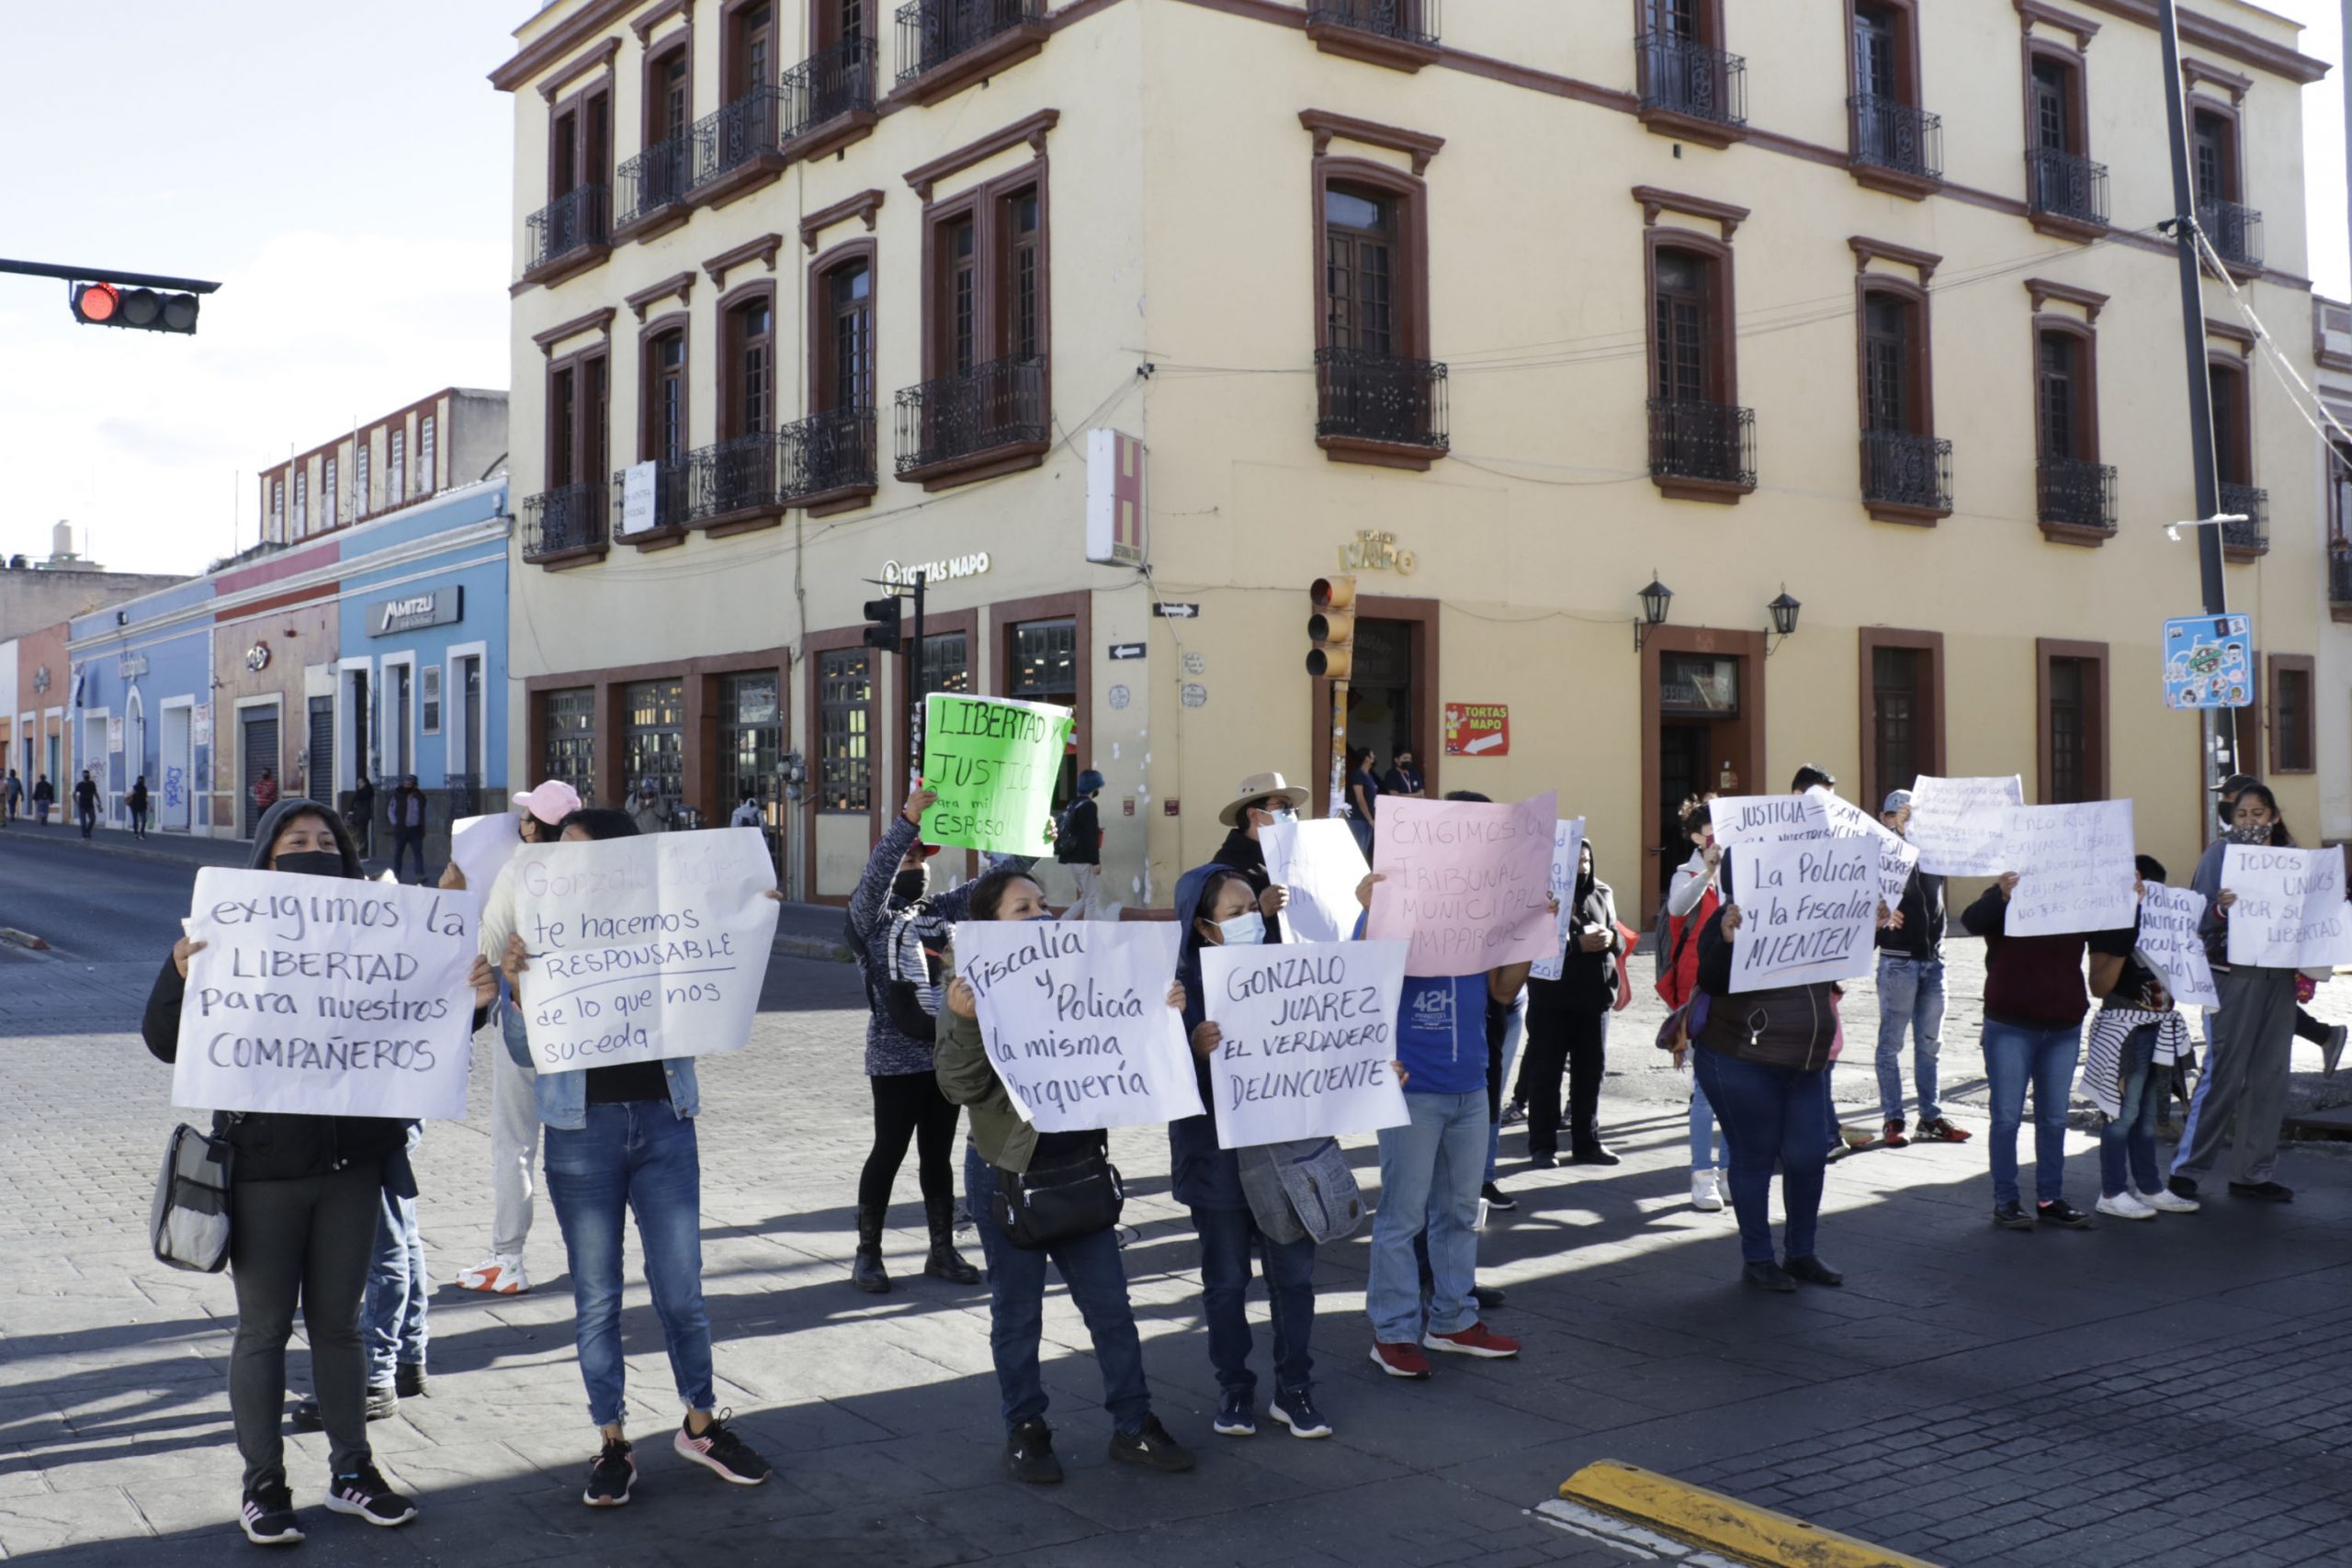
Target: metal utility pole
2221, 746
918, 682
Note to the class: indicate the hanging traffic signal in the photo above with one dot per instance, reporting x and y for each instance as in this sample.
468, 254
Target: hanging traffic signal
1332, 627
882, 624
149, 310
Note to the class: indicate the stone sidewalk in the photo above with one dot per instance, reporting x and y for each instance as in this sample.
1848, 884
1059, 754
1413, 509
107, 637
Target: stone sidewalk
2154, 1393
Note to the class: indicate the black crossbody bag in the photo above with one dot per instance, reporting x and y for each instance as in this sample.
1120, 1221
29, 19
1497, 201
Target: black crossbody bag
1036, 1208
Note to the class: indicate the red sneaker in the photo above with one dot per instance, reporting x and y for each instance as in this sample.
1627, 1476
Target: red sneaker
1476, 1340
1895, 1138
1400, 1360
1939, 1130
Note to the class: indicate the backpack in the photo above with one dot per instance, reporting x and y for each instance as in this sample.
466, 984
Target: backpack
1063, 842
892, 996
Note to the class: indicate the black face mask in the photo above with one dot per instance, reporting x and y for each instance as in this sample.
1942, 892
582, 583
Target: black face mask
911, 884
311, 863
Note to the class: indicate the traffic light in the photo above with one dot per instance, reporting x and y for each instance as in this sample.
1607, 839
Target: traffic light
149, 310
882, 622
1332, 627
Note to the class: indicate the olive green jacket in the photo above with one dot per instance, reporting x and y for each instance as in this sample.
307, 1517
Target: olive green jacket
967, 1079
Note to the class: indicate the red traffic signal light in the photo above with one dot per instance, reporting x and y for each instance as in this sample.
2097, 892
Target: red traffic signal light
149, 310
96, 304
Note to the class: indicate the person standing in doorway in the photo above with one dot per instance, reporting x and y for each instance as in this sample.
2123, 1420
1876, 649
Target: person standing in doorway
1567, 1027
265, 792
361, 817
1911, 994
136, 801
408, 825
1078, 844
1404, 778
45, 797
1363, 788
85, 803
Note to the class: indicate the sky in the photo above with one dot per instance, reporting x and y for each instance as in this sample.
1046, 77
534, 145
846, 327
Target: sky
343, 170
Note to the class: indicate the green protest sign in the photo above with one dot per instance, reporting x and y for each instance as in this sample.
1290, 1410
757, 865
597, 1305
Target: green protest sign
993, 763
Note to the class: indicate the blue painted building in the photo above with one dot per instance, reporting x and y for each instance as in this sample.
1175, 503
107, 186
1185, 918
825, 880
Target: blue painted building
143, 703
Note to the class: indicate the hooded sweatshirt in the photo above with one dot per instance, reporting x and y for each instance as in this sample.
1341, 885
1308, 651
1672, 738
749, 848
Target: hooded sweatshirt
1203, 1175
274, 1146
1588, 982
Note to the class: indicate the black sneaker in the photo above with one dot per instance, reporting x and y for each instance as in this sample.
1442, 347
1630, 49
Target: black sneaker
1151, 1448
383, 1402
2267, 1191
1237, 1415
612, 1475
2061, 1214
1768, 1276
366, 1495
268, 1516
1488, 1297
1513, 1113
1596, 1155
1811, 1270
2012, 1217
1542, 1162
717, 1449
1498, 1199
1294, 1408
1029, 1453
2181, 1186
409, 1383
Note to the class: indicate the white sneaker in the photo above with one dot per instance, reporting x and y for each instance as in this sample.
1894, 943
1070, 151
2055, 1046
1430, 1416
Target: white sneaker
2169, 1202
501, 1275
1705, 1196
2125, 1205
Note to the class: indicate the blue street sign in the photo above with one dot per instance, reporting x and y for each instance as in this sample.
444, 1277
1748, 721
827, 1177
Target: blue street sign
2209, 662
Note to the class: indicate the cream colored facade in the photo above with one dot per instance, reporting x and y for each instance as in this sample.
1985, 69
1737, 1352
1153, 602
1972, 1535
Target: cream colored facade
1186, 299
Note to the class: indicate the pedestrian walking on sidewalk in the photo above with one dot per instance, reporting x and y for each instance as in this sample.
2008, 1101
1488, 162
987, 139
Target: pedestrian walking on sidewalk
2136, 1036
85, 803
12, 795
137, 802
44, 796
408, 826
1692, 900
1911, 995
1078, 845
2034, 1003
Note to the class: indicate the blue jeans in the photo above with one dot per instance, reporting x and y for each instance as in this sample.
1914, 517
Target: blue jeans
1770, 1116
394, 1322
2126, 1145
1706, 1138
1090, 1267
1910, 993
639, 1157
2016, 1056
1228, 1237
1430, 1172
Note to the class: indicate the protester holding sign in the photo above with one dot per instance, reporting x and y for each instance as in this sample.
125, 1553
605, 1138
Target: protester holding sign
2034, 1004
2136, 1037
1692, 900
1072, 1171
992, 765
620, 1140
1567, 1026
1911, 994
304, 1195
1264, 800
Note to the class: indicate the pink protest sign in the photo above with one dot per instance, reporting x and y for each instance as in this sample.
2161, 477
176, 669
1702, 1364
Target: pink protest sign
1467, 883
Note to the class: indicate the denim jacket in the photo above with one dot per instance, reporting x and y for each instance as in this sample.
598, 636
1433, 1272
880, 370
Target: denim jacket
561, 1099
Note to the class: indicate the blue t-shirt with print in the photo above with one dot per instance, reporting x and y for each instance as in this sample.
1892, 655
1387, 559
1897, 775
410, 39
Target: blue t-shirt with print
1441, 1033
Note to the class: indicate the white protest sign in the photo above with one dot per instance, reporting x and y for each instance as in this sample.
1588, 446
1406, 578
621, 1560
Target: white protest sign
2075, 868
2168, 937
2289, 912
1309, 1030
1468, 882
1568, 846
1962, 825
1765, 819
642, 948
1320, 863
1076, 1021
321, 996
482, 845
1806, 912
1895, 856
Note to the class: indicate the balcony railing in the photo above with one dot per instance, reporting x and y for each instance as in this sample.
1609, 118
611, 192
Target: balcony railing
932, 32
2254, 505
1680, 75
739, 475
564, 521
656, 178
2076, 494
828, 84
2339, 573
744, 129
2061, 185
1903, 469
669, 500
1363, 396
1892, 135
2234, 231
828, 452
1695, 440
1001, 403
571, 222
1406, 21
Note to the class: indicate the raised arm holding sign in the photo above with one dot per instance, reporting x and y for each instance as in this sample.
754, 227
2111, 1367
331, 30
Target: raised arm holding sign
1567, 848
1306, 1032
1960, 826
2075, 868
1466, 883
2290, 911
993, 763
1806, 912
1320, 863
2168, 936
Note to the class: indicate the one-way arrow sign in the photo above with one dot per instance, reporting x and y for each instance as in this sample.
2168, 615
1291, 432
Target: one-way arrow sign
1175, 612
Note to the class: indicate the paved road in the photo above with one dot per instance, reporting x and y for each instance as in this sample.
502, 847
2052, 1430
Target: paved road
2162, 1393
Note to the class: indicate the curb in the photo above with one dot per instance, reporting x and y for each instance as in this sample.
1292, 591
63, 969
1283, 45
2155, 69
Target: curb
157, 857
1723, 1524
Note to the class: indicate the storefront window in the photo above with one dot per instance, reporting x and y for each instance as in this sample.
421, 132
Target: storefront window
1044, 669
844, 760
750, 742
657, 737
569, 743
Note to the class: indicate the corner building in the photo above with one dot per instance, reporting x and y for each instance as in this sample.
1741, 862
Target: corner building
1858, 305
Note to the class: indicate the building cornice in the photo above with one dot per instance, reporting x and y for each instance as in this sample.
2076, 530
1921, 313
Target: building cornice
1032, 131
1655, 200
537, 57
1326, 127
865, 205
2041, 290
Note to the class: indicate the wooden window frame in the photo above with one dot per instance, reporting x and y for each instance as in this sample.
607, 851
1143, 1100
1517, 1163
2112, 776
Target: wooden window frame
2234, 146
2095, 737
2236, 441
1722, 320
649, 340
2087, 448
574, 107
576, 365
850, 252
984, 204
1909, 91
877, 790
1920, 372
2302, 664
731, 422
1712, 34
731, 47
1409, 292
2078, 129
1932, 755
677, 44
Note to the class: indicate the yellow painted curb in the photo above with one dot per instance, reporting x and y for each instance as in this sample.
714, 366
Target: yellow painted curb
1723, 1524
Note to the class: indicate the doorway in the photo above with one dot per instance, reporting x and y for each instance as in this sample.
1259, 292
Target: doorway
178, 764
257, 747
1702, 723
1392, 694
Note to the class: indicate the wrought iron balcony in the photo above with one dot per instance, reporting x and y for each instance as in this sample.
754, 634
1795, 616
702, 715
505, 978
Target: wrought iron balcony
967, 412
828, 84
2234, 231
1695, 440
1362, 396
2075, 494
655, 180
669, 500
827, 454
1892, 135
1406, 21
567, 520
570, 225
2060, 185
933, 33
736, 138
2339, 575
734, 478
2252, 536
1681, 76
1903, 469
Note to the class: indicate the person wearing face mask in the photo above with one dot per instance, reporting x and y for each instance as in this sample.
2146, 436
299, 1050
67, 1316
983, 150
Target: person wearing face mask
1003, 1145
1403, 777
2331, 1038
304, 1197
1216, 908
1567, 1027
1263, 799
2252, 1046
894, 931
1364, 790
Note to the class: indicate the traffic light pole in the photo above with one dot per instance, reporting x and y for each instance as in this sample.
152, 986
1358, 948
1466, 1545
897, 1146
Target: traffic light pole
101, 275
1338, 745
915, 693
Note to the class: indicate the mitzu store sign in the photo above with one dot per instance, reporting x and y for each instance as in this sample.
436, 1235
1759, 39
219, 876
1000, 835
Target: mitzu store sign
440, 608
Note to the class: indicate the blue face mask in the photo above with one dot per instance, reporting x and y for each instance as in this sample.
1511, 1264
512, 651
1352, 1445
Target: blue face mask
1286, 813
1048, 917
1243, 931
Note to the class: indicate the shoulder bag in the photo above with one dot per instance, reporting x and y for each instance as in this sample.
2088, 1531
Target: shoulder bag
1036, 1208
1301, 1190
189, 1221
